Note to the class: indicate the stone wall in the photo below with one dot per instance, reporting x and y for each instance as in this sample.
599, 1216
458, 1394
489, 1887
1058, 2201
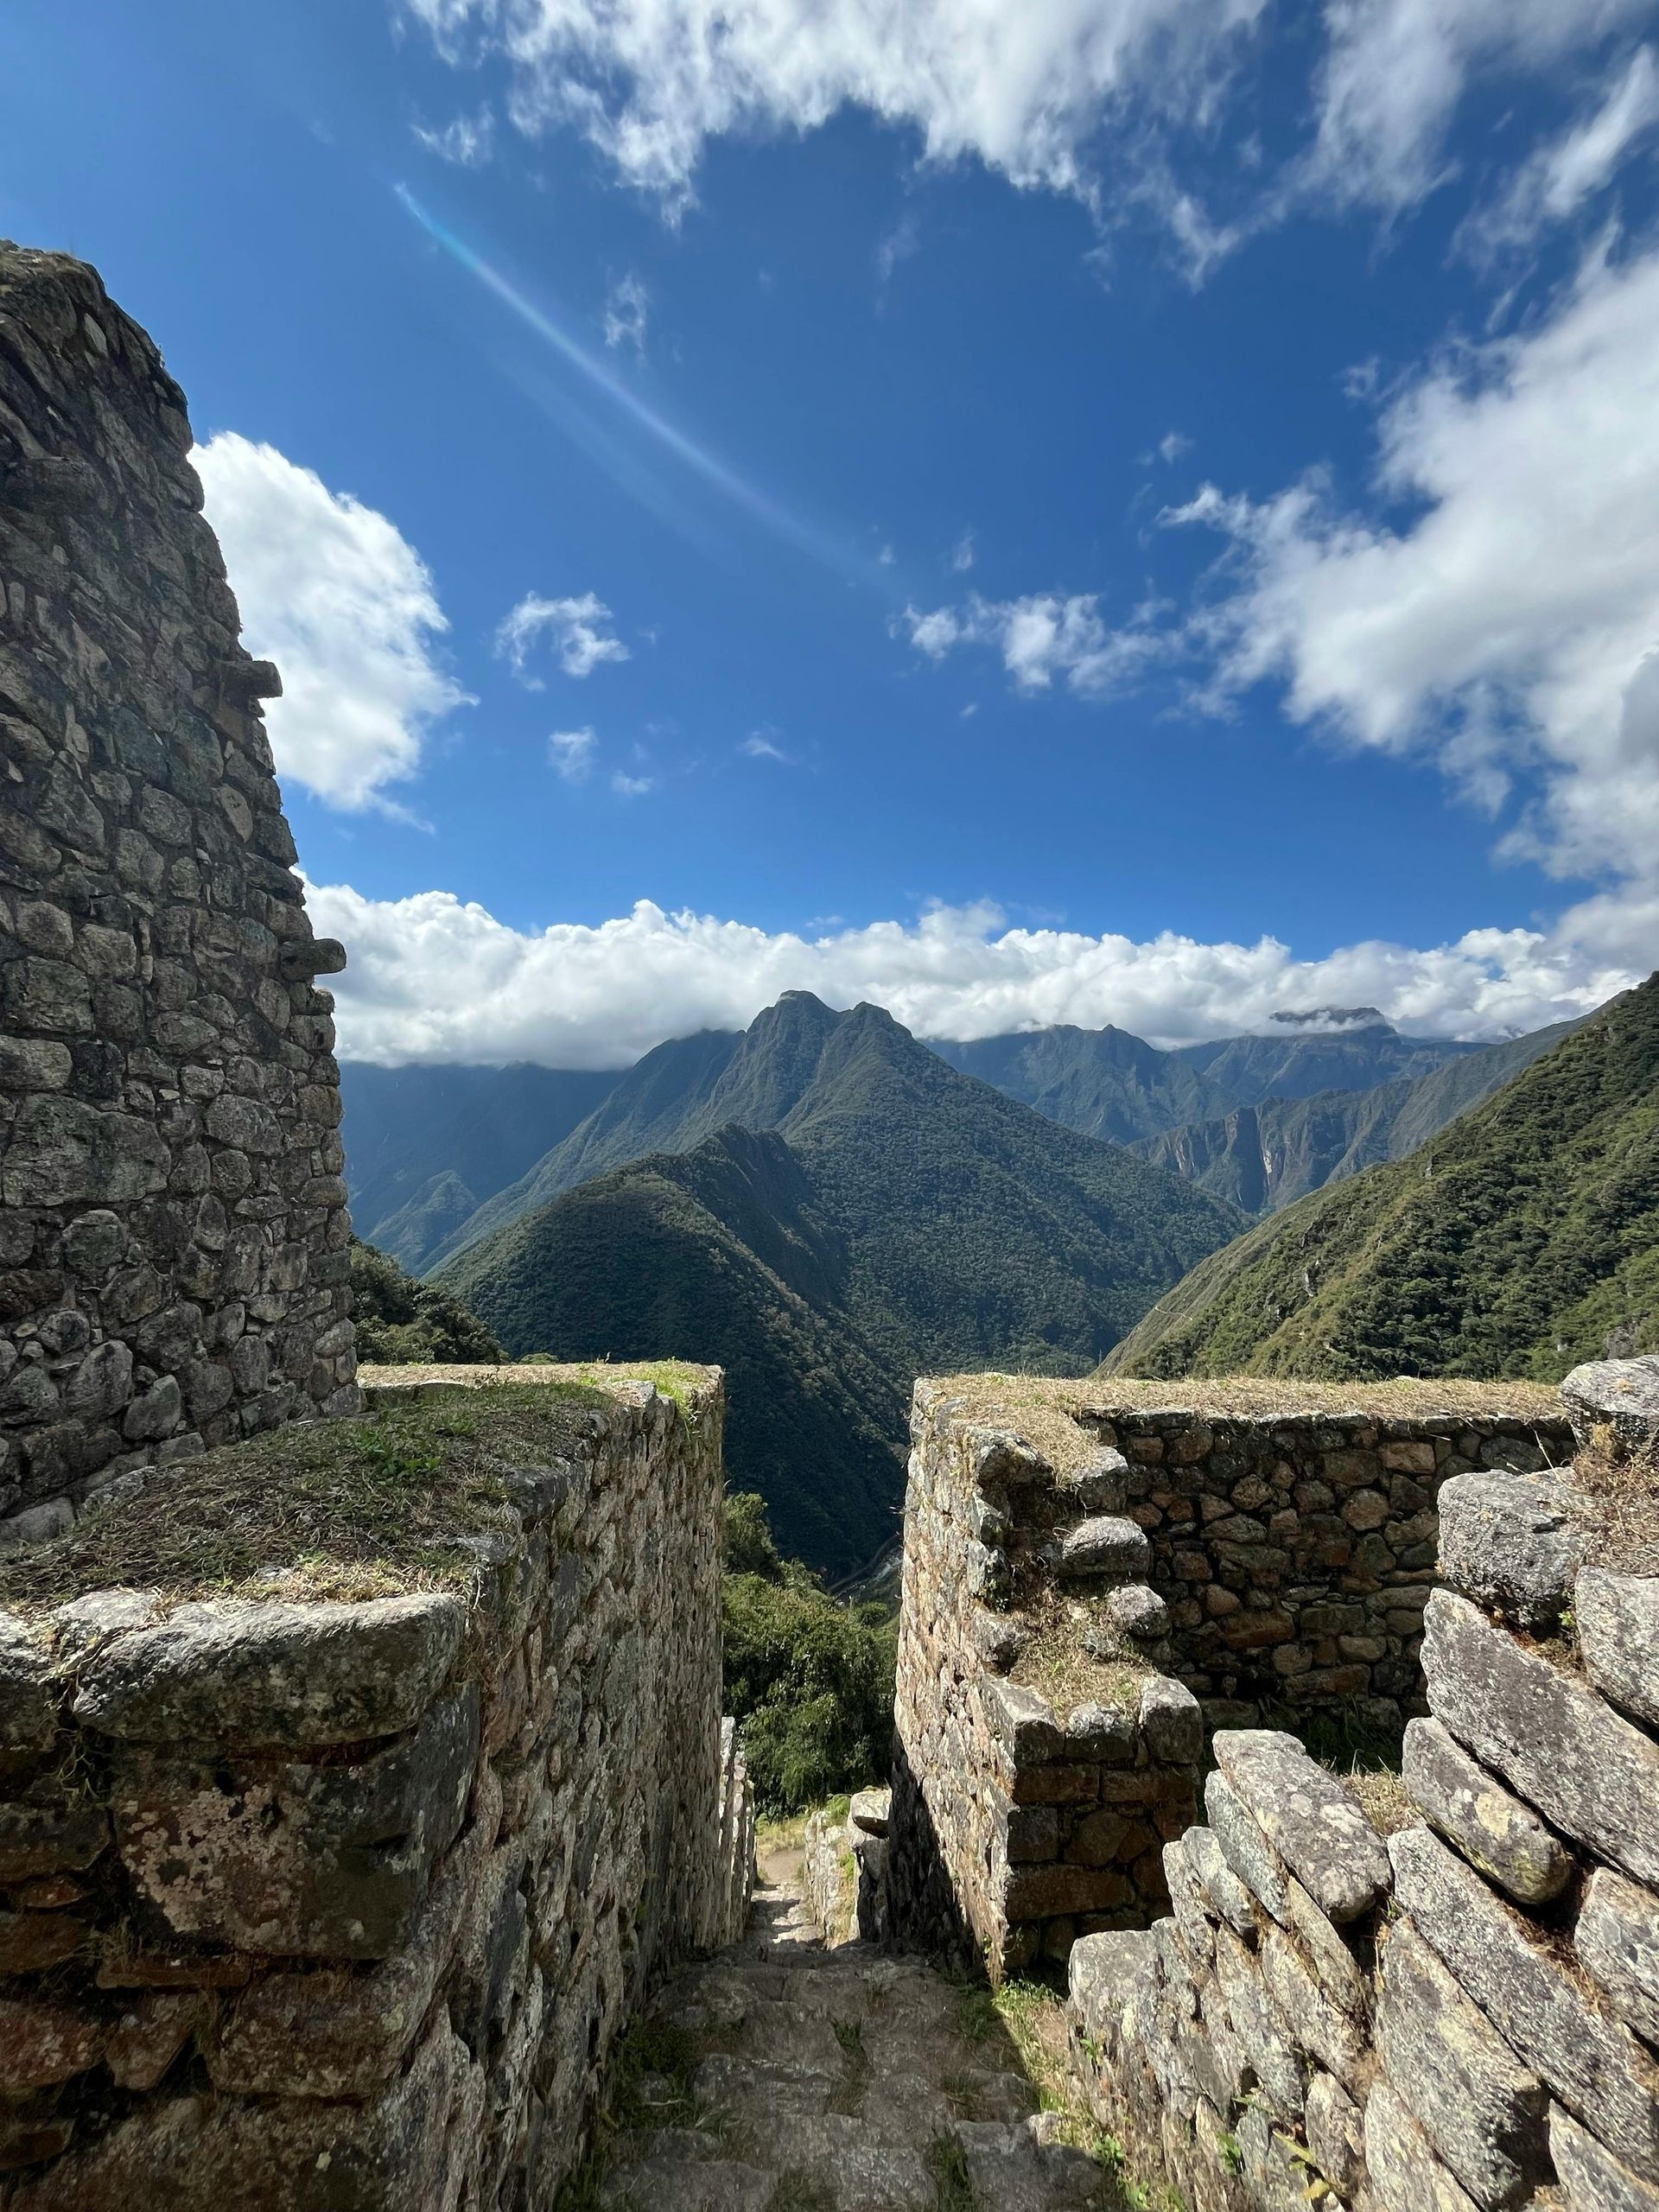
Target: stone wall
340, 1905
1465, 2013
173, 1227
1022, 1818
1295, 1549
844, 1868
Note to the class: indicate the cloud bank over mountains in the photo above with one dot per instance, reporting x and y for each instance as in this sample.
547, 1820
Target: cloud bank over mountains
432, 978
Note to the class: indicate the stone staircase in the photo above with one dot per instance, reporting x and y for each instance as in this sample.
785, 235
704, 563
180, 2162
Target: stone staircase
784, 2076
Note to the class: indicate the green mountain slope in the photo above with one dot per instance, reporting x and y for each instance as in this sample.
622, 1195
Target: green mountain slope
656, 1258
1521, 1239
425, 1145
1269, 1155
901, 1217
1103, 1082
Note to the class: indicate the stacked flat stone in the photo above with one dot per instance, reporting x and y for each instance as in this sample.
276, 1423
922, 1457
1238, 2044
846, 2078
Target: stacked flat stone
1295, 1553
1467, 2020
333, 1905
173, 1226
1015, 1826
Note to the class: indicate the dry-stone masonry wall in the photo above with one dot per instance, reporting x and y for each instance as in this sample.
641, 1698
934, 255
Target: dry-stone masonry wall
338, 1907
1295, 1550
844, 1868
173, 1227
1022, 1816
1467, 2014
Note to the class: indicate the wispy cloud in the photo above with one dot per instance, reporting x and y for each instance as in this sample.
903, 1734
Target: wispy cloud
1045, 636
578, 629
899, 243
1560, 176
627, 787
962, 553
627, 307
571, 752
759, 747
465, 144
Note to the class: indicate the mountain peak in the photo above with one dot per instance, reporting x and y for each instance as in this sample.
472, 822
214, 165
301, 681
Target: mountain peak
1334, 1020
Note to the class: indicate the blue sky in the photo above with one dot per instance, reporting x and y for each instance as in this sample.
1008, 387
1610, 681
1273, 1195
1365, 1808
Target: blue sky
1113, 510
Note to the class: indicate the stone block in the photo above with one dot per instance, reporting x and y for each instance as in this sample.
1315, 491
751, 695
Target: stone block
1268, 2041
1137, 1613
1103, 1733
1331, 1961
1495, 1831
1310, 1820
1513, 1543
49, 1835
1024, 1721
1171, 1721
1590, 1773
1323, 2031
1247, 1851
1617, 1935
1405, 2174
1617, 1617
270, 1855
1592, 2177
28, 1695
1484, 2110
274, 1674
1227, 1897
1335, 2127
1105, 1547
1594, 2064
1041, 1892
1615, 1399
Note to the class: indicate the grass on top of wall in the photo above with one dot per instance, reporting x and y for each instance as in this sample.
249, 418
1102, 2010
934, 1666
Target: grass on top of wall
994, 1398
363, 1507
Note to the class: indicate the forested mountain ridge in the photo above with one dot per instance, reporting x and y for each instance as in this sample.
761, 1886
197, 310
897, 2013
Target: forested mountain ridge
1521, 1239
1267, 1155
902, 1217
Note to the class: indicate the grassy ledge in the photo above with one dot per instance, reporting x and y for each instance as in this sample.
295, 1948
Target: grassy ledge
364, 1508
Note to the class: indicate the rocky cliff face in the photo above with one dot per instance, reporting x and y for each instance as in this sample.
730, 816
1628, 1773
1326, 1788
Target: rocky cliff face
173, 1227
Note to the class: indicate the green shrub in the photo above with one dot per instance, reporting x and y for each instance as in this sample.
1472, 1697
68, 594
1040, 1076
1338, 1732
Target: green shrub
808, 1679
402, 1322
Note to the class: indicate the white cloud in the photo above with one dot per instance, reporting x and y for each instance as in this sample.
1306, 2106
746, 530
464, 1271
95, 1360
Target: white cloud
340, 600
627, 787
1395, 72
1512, 627
627, 307
1559, 177
1023, 88
571, 753
1173, 445
467, 143
962, 553
1043, 636
577, 629
759, 747
432, 978
904, 239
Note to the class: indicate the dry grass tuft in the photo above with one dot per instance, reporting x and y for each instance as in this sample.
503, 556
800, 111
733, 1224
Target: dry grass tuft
1055, 1662
354, 1509
1623, 1496
1012, 1400
1382, 1797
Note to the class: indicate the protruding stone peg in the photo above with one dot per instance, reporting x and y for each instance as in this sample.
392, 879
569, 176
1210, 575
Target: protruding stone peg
251, 679
303, 957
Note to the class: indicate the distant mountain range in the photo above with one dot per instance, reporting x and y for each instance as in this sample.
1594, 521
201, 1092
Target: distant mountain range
829, 1208
1519, 1239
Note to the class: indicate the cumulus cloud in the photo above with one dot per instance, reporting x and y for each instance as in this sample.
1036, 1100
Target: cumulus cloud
627, 309
435, 978
578, 630
1042, 637
333, 593
467, 143
1511, 627
1560, 176
571, 752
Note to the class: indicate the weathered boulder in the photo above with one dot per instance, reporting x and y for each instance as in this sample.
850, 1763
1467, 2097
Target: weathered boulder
1617, 1935
1228, 1898
274, 1674
1484, 2110
1504, 1838
1513, 1543
1618, 1620
1594, 2065
1591, 1774
1269, 2043
1615, 1399
1105, 1547
29, 1701
1323, 2030
1309, 1818
1334, 1967
1335, 2126
317, 1861
1101, 1484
